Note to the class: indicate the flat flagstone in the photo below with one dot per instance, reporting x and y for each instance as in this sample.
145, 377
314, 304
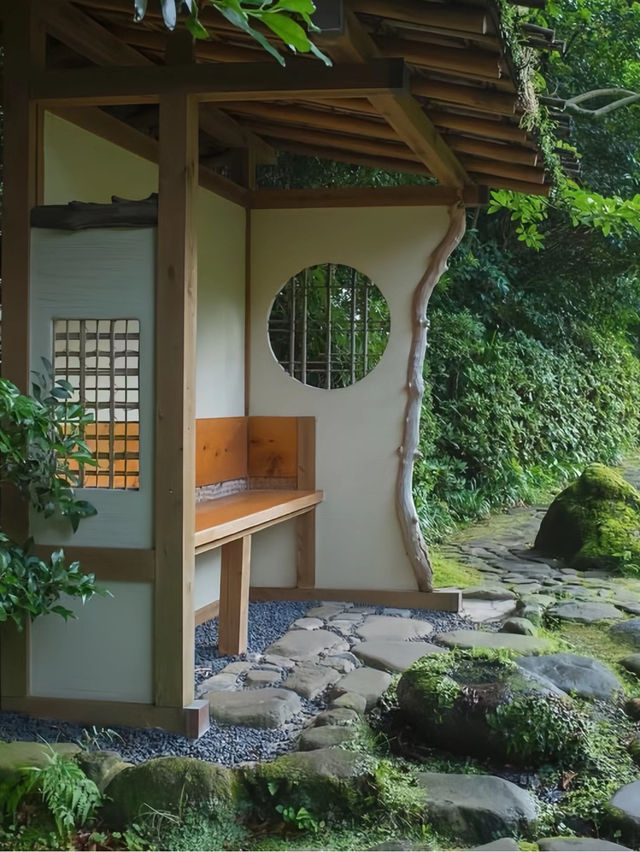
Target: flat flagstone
487, 610
326, 610
488, 592
260, 677
579, 844
629, 630
218, 683
585, 612
393, 656
573, 673
632, 663
481, 639
368, 682
325, 736
255, 708
306, 644
310, 680
308, 623
389, 627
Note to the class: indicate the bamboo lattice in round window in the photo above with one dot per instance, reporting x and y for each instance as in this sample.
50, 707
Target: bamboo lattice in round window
329, 326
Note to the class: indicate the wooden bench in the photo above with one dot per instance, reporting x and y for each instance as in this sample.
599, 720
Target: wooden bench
252, 473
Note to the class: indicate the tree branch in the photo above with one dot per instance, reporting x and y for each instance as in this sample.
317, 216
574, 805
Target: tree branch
623, 97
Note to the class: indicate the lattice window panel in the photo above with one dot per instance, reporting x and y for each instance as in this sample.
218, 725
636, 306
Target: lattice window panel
329, 326
101, 360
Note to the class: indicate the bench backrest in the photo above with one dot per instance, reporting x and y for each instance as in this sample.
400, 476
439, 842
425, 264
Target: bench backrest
265, 452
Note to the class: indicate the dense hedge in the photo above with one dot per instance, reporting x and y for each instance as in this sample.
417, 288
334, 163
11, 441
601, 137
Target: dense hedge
510, 412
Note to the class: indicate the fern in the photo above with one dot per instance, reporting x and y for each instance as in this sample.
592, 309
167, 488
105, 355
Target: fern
70, 797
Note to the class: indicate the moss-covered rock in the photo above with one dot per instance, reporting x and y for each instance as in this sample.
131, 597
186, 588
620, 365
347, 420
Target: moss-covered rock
101, 767
334, 779
17, 755
175, 785
594, 523
481, 703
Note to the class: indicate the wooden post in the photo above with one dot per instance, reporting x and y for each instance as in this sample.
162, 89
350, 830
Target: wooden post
234, 596
176, 285
24, 45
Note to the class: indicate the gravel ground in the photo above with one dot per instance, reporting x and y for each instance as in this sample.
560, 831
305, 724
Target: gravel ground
221, 744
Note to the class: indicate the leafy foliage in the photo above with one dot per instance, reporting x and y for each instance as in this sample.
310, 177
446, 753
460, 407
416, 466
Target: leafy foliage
40, 446
65, 791
279, 16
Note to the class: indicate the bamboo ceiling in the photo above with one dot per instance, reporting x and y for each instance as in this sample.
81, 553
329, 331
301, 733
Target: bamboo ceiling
462, 76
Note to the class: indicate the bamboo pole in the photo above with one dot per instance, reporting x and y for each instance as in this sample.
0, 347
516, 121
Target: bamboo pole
414, 542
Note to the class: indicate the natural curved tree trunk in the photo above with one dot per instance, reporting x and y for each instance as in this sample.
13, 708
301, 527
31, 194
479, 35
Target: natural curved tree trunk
414, 542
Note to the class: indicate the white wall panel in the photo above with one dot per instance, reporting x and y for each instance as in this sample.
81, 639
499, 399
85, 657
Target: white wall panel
206, 588
359, 429
104, 654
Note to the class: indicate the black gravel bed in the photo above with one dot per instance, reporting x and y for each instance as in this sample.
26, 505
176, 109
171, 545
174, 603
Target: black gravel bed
222, 743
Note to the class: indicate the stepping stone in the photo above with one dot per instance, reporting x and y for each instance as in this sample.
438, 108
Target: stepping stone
393, 656
258, 677
584, 612
368, 682
480, 639
352, 617
490, 593
344, 628
218, 683
336, 717
325, 737
236, 668
389, 628
255, 708
526, 588
533, 613
502, 844
538, 600
344, 663
306, 644
579, 844
310, 680
325, 610
629, 630
484, 610
632, 663
519, 625
350, 701
572, 673
626, 806
631, 607
308, 623
281, 662
474, 807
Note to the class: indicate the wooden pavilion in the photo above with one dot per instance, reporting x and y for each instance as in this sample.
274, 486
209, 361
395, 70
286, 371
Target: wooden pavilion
96, 106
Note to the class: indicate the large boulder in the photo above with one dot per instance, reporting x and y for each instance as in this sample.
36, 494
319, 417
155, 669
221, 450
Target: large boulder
171, 785
482, 703
625, 813
594, 523
476, 808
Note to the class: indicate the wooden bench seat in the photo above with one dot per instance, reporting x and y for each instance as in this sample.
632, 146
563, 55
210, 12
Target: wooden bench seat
269, 465
224, 519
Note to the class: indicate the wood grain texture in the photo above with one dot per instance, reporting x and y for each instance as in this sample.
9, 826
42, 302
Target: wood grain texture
440, 601
221, 450
306, 550
205, 613
273, 446
383, 196
176, 287
234, 596
306, 445
243, 529
232, 516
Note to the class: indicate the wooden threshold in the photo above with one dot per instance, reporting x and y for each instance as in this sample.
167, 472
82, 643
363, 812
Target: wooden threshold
205, 613
176, 719
223, 519
440, 601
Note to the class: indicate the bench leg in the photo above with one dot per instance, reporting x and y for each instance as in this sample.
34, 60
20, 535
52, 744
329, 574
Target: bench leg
306, 550
234, 596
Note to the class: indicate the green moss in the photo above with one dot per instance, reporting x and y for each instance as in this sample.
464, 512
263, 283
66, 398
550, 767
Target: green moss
448, 571
595, 523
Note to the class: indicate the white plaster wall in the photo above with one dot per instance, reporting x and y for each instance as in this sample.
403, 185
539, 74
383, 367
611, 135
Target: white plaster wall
109, 662
359, 429
206, 588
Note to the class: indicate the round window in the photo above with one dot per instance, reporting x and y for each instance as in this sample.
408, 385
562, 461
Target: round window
329, 326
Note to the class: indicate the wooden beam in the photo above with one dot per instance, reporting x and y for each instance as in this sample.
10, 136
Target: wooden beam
391, 196
434, 16
244, 81
502, 153
496, 182
400, 110
478, 126
505, 170
388, 164
462, 62
440, 601
24, 42
90, 39
114, 564
176, 284
486, 100
234, 596
106, 126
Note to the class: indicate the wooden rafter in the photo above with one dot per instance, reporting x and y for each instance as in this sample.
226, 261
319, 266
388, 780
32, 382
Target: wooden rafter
400, 111
90, 39
251, 81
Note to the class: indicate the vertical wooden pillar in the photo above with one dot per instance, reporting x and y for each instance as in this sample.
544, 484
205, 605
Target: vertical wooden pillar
176, 286
234, 596
306, 524
24, 46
